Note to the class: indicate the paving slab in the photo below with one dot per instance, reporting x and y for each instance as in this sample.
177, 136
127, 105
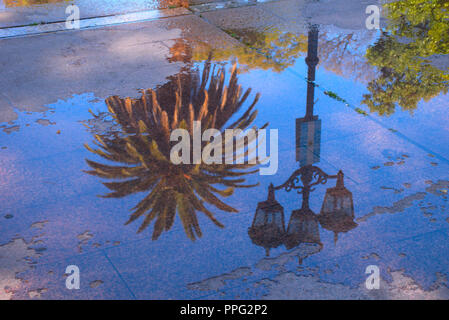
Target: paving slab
98, 280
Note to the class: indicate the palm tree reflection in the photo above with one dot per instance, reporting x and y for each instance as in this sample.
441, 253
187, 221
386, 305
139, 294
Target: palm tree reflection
140, 150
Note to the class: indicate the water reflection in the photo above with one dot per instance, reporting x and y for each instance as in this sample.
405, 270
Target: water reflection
416, 30
396, 67
267, 49
337, 211
140, 148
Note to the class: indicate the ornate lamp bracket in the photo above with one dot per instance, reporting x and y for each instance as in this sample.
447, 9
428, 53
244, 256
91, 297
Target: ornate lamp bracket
304, 179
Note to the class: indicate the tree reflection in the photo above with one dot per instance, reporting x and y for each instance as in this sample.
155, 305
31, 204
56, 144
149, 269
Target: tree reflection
269, 49
416, 29
140, 149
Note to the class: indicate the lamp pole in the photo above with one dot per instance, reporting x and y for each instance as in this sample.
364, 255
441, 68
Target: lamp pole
311, 61
308, 173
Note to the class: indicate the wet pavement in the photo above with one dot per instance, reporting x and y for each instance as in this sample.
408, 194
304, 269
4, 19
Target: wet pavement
85, 180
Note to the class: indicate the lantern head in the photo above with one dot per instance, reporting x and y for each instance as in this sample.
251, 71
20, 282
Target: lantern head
337, 211
268, 229
303, 227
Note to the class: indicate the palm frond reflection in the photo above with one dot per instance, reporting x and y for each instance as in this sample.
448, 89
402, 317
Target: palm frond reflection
140, 150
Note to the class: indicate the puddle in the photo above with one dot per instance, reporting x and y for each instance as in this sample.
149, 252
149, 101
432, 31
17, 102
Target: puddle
361, 177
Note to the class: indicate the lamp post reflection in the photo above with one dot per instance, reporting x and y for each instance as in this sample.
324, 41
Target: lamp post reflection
337, 211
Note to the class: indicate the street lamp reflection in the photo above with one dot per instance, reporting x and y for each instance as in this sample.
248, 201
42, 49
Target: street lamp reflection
337, 210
